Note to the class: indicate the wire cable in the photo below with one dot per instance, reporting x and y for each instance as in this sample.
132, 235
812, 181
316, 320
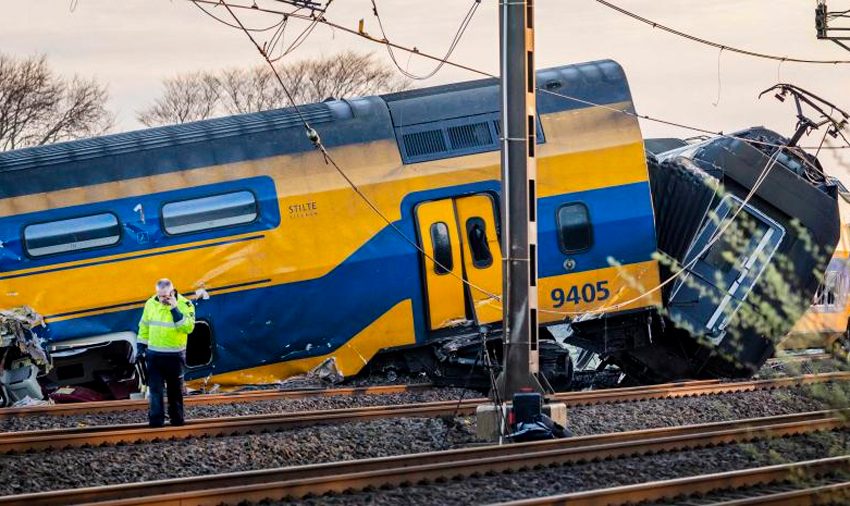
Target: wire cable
464, 24
231, 25
323, 20
413, 50
717, 45
297, 42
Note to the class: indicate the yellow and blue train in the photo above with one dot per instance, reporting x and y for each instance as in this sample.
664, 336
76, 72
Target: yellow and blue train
289, 267
826, 324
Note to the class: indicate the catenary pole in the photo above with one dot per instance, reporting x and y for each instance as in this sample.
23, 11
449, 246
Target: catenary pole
519, 198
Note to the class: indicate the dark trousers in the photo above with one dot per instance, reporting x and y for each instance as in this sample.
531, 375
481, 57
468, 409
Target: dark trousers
165, 368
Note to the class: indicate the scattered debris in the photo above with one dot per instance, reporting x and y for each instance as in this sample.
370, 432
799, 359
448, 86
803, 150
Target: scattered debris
16, 330
327, 371
29, 401
22, 356
68, 394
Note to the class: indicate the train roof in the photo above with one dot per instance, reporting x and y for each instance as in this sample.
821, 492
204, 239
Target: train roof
257, 135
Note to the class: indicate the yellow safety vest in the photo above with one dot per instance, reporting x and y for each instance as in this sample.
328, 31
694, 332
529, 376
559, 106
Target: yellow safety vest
159, 331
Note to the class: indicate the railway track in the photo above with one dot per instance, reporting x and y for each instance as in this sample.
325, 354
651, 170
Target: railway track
226, 426
783, 484
82, 408
355, 475
190, 400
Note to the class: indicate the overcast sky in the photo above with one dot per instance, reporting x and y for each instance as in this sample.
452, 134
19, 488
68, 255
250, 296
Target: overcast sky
131, 45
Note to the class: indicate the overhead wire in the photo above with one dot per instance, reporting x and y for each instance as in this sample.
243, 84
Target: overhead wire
323, 20
231, 25
483, 73
700, 40
464, 24
297, 42
314, 137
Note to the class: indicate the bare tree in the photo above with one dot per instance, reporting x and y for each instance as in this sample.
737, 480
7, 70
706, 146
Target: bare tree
201, 95
187, 97
38, 107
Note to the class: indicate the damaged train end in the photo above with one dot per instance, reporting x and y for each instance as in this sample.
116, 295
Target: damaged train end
746, 229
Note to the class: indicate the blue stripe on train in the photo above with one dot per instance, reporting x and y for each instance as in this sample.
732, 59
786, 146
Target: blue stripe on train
136, 236
623, 228
314, 317
295, 320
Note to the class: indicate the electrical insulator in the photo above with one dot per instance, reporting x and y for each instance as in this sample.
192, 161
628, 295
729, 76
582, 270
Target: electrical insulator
820, 20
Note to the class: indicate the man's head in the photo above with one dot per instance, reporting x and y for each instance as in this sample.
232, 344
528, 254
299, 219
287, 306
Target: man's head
164, 289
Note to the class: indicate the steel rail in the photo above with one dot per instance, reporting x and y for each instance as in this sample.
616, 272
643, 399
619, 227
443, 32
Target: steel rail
695, 388
713, 483
300, 481
263, 395
276, 395
204, 399
72, 437
224, 480
836, 493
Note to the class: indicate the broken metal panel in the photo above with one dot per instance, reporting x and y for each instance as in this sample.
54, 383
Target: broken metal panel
22, 356
16, 332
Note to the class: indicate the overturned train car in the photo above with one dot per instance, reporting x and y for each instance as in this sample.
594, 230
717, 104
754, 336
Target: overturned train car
750, 228
290, 268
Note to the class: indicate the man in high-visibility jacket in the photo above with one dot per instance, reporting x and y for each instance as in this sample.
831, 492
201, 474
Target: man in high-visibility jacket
166, 322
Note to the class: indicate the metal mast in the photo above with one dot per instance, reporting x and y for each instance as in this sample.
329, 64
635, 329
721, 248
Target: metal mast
519, 198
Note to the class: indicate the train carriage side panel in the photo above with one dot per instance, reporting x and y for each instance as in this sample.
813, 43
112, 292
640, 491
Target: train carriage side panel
593, 162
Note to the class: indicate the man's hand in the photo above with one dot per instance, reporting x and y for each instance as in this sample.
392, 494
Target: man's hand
172, 300
141, 351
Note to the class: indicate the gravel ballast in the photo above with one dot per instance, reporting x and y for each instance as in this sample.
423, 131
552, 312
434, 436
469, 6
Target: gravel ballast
140, 462
40, 422
81, 467
600, 418
587, 476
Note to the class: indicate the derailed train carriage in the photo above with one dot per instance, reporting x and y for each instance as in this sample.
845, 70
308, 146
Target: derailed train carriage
754, 228
290, 268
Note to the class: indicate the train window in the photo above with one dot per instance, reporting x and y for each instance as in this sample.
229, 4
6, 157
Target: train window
574, 228
827, 294
207, 213
726, 263
442, 248
75, 234
476, 233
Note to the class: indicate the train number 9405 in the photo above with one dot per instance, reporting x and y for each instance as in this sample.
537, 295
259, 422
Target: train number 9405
587, 293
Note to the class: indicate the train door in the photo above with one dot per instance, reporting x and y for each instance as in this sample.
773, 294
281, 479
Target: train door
461, 244
725, 267
482, 255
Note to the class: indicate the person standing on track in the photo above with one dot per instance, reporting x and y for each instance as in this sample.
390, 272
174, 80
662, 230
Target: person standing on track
166, 322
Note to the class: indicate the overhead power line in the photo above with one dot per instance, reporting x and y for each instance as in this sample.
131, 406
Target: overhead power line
464, 24
323, 20
717, 45
445, 61
231, 25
